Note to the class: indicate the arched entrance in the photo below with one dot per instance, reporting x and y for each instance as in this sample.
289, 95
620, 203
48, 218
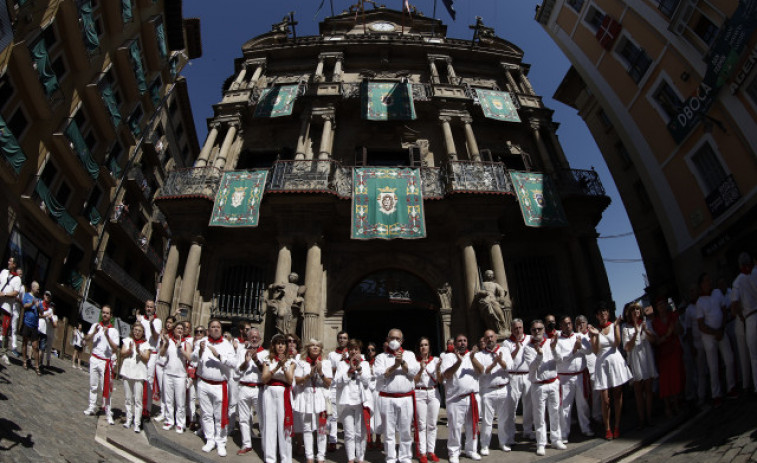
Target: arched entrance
389, 299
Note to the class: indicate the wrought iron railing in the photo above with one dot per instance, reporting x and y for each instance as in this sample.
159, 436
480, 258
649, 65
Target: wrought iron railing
139, 239
193, 181
477, 176
724, 196
139, 178
422, 92
303, 176
117, 274
580, 182
432, 182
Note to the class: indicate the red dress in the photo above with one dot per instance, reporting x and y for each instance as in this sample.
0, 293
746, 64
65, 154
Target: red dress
669, 355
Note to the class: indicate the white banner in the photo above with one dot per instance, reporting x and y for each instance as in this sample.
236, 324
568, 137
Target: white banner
90, 313
124, 329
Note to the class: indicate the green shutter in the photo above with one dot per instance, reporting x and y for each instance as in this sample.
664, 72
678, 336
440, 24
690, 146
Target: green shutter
136, 62
55, 209
126, 12
10, 147
155, 93
174, 63
82, 150
46, 75
110, 103
161, 33
94, 216
89, 33
134, 124
115, 169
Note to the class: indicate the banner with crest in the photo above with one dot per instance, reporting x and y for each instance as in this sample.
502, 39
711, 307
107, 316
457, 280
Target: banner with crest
238, 199
539, 201
276, 101
387, 203
385, 101
497, 105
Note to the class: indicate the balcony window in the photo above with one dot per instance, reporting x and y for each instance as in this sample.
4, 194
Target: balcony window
155, 92
635, 57
594, 18
708, 168
623, 154
47, 74
668, 7
55, 208
114, 159
88, 27
705, 29
667, 99
126, 11
576, 4
18, 123
10, 148
174, 65
80, 147
111, 103
139, 70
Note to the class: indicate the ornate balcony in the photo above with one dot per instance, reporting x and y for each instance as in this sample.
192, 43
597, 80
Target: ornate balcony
724, 196
116, 273
310, 176
576, 182
478, 177
193, 182
432, 183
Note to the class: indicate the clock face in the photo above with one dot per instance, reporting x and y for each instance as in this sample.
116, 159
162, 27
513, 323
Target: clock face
382, 27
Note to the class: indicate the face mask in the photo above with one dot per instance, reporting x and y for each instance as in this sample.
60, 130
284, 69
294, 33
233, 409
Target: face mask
394, 344
450, 348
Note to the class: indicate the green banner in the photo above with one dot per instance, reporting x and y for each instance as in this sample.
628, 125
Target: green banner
42, 60
55, 209
81, 149
238, 199
160, 34
497, 105
110, 103
385, 101
276, 101
11, 149
387, 203
126, 10
139, 70
89, 33
539, 202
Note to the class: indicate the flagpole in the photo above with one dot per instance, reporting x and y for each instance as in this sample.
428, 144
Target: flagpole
331, 2
403, 17
362, 5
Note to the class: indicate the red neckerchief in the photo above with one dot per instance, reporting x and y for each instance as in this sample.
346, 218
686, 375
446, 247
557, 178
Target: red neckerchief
464, 353
340, 350
215, 341
543, 341
312, 361
493, 352
606, 325
106, 327
639, 322
139, 342
566, 337
15, 274
419, 359
258, 349
585, 332
372, 361
278, 359
450, 349
172, 338
512, 338
241, 340
549, 333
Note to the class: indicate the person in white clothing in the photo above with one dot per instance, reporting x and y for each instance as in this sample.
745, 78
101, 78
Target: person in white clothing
238, 344
744, 308
460, 373
160, 370
520, 385
15, 328
697, 367
311, 394
637, 341
176, 353
335, 357
371, 353
250, 367
542, 356
427, 400
278, 416
215, 357
355, 401
397, 367
77, 340
594, 398
153, 327
136, 353
574, 377
711, 324
494, 385
10, 286
192, 383
51, 324
105, 341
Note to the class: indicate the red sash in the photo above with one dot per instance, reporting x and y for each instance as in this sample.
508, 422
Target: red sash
107, 385
547, 381
585, 380
224, 400
288, 415
474, 413
367, 421
322, 423
396, 395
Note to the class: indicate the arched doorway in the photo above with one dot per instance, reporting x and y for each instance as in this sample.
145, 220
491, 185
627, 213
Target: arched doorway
389, 299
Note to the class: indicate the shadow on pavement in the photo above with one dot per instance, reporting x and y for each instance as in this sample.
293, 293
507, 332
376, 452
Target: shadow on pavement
8, 431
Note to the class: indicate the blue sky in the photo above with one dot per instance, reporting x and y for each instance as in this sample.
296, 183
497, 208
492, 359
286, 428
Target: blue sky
227, 24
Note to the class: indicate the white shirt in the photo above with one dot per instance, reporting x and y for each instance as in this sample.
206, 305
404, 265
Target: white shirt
399, 382
690, 322
572, 362
745, 292
78, 338
498, 376
211, 367
520, 364
628, 331
42, 322
335, 357
252, 374
100, 345
8, 284
152, 340
133, 367
311, 397
465, 379
176, 363
710, 310
278, 375
543, 366
428, 373
353, 389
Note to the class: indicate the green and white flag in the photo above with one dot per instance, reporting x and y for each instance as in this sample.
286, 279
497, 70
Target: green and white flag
238, 199
497, 105
387, 203
385, 101
539, 201
276, 101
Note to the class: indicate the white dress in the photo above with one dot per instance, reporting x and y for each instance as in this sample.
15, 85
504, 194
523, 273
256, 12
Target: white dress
611, 369
641, 356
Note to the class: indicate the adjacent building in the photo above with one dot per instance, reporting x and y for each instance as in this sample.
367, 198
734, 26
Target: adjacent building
669, 92
300, 121
93, 113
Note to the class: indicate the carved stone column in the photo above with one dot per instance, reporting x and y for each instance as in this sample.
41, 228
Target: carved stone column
470, 269
498, 266
240, 78
510, 80
434, 71
191, 274
283, 263
318, 76
311, 327
256, 75
471, 140
303, 138
524, 81
168, 283
220, 161
451, 71
210, 141
324, 152
543, 153
337, 69
449, 142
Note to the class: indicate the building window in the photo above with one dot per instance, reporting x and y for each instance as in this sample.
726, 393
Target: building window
576, 5
594, 18
668, 7
603, 119
708, 167
705, 29
17, 123
635, 57
667, 99
623, 154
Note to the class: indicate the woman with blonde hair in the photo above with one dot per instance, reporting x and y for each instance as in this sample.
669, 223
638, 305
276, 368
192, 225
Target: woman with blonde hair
136, 353
311, 396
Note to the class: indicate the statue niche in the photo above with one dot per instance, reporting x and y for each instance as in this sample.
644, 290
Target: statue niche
284, 301
491, 302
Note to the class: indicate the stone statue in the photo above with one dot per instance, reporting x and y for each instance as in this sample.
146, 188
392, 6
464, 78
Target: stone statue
491, 303
283, 300
515, 149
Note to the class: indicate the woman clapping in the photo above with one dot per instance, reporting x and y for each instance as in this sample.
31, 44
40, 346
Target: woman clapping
313, 379
355, 401
278, 418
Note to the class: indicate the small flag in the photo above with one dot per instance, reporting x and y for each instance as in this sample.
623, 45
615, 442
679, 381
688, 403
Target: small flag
449, 4
406, 5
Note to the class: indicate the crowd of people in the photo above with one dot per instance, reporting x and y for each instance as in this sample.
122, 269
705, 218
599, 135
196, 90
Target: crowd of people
389, 397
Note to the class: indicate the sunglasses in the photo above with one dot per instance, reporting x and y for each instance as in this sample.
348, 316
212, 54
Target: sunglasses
199, 331
291, 341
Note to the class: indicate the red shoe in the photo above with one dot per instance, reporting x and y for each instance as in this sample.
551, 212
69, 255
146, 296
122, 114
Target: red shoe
423, 459
608, 435
616, 434
244, 450
433, 457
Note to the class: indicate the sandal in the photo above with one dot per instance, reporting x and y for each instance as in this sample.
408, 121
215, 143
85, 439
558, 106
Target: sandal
39, 373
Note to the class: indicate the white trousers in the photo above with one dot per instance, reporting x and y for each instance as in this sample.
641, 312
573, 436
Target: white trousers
427, 403
175, 395
377, 427
159, 375
546, 397
273, 427
701, 365
751, 342
249, 400
397, 416
211, 400
96, 378
334, 416
151, 364
495, 403
520, 388
308, 422
14, 327
233, 400
133, 390
711, 349
192, 398
572, 389
459, 416
739, 329
355, 434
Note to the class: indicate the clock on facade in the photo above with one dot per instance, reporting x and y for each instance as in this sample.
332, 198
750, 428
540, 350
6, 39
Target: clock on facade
382, 27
